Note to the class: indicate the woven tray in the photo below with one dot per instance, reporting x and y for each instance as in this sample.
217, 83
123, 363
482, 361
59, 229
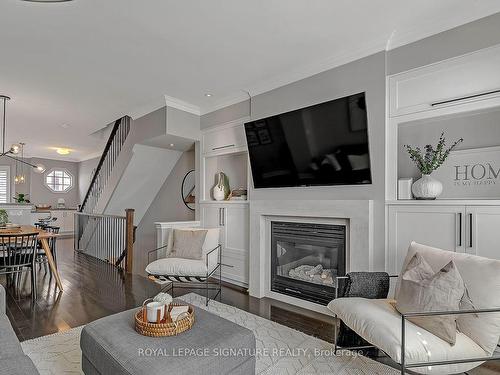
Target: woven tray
165, 327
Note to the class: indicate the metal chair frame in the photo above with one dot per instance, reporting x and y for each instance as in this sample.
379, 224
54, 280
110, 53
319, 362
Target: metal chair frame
17, 252
404, 366
203, 282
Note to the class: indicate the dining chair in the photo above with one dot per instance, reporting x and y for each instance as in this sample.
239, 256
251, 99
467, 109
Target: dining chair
17, 254
41, 256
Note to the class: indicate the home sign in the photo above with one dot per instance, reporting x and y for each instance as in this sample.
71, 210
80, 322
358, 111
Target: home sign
471, 174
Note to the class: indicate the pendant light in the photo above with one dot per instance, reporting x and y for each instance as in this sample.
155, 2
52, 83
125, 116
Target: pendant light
15, 148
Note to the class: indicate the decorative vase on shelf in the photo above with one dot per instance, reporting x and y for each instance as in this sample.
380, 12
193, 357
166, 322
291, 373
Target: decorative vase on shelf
221, 188
427, 187
428, 160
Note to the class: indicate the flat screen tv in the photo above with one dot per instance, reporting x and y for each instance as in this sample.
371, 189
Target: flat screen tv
324, 144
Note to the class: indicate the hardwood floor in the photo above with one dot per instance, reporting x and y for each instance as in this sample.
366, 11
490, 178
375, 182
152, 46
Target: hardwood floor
94, 289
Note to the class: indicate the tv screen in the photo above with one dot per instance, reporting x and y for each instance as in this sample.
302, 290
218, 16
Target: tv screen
324, 144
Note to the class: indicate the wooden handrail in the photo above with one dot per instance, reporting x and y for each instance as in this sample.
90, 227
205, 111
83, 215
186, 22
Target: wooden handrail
101, 162
129, 240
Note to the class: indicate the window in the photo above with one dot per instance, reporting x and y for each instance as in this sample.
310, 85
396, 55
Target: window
59, 180
4, 184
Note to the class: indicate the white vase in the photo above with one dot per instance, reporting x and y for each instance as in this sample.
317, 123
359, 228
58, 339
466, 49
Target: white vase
218, 193
427, 187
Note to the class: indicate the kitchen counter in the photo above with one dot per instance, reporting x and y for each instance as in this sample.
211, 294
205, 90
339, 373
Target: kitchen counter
55, 209
27, 214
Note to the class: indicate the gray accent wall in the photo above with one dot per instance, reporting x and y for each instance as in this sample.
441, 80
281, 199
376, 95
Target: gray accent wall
460, 40
477, 129
364, 75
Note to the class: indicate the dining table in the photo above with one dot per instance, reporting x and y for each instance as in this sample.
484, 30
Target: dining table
43, 237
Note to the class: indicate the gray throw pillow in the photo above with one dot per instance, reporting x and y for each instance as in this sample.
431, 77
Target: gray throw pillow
188, 244
422, 290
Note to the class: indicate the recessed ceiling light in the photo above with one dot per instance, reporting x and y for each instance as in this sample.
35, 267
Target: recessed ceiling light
63, 151
208, 95
171, 145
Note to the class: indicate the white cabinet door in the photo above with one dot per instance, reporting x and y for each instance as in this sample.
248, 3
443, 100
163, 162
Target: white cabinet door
483, 231
437, 226
446, 83
223, 139
65, 221
235, 221
211, 217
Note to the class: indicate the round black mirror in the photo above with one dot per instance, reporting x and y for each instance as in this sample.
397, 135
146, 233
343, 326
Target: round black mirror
187, 189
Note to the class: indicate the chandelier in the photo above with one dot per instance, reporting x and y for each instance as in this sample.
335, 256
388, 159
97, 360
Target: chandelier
15, 148
20, 177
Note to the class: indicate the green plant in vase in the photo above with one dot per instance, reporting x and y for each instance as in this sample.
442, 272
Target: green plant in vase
21, 198
4, 218
427, 161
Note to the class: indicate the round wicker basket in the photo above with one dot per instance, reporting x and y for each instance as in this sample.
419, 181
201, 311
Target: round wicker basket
165, 327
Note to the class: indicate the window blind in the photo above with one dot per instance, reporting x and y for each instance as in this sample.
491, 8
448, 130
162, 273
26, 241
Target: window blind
4, 186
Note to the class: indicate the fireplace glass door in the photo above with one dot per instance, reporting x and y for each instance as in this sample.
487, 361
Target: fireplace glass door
306, 258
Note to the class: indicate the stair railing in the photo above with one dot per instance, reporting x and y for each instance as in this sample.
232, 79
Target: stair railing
116, 139
106, 237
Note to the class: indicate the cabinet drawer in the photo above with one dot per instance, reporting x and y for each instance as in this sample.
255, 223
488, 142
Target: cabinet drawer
224, 139
236, 266
456, 81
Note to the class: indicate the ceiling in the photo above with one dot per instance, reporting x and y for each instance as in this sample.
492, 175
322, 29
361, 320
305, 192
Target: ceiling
71, 68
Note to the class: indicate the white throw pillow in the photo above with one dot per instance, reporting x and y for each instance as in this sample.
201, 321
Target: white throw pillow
422, 290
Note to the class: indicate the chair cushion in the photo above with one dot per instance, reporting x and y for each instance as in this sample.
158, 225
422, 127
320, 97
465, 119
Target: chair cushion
482, 280
177, 267
423, 290
379, 323
188, 244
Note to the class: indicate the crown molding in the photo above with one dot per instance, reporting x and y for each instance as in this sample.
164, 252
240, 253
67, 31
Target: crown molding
182, 105
426, 29
298, 74
226, 102
146, 108
394, 40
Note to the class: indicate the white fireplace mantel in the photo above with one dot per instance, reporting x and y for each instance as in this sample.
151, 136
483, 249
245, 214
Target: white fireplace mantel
356, 214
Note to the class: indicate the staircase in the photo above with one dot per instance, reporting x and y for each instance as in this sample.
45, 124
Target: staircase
136, 162
105, 236
117, 138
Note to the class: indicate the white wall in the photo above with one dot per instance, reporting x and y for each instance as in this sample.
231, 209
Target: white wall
166, 206
40, 193
145, 174
85, 173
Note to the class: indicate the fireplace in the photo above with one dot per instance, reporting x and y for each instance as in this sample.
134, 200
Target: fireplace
306, 258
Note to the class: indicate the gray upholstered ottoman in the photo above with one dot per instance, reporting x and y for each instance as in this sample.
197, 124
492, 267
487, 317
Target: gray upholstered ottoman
213, 346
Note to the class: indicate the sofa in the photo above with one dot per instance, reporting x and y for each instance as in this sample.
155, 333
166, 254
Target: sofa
13, 361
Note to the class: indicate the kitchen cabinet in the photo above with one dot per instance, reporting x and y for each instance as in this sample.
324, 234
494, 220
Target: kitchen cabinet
65, 221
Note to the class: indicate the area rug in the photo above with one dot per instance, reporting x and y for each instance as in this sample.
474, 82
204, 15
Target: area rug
280, 350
